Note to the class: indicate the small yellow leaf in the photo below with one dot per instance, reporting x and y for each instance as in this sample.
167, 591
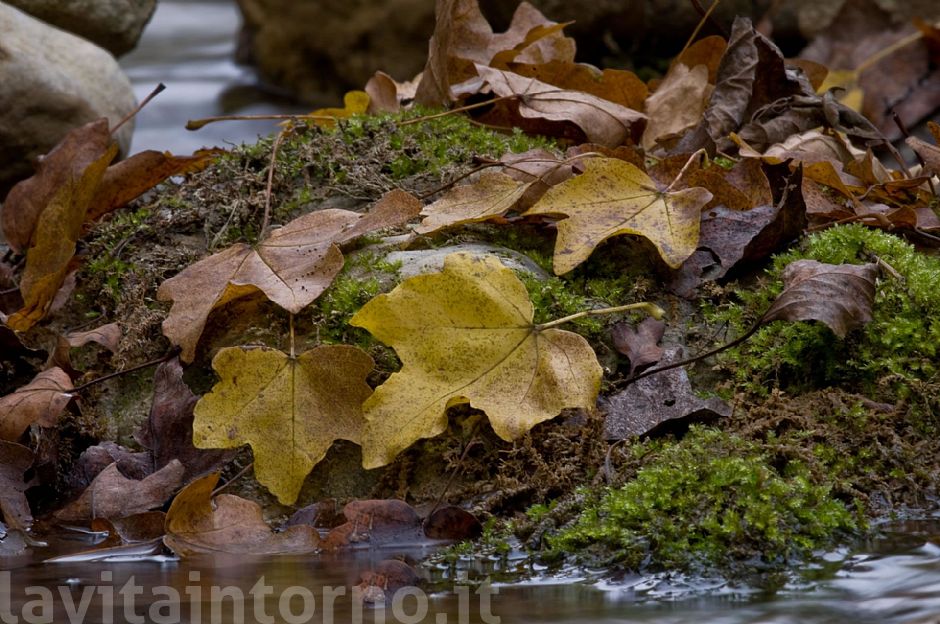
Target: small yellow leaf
290, 410
354, 103
492, 195
465, 335
615, 197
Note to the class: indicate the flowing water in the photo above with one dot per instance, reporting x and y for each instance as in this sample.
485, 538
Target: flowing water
894, 579
189, 46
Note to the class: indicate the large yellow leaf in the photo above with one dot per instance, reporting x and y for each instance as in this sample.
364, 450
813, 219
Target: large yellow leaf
615, 197
465, 335
290, 410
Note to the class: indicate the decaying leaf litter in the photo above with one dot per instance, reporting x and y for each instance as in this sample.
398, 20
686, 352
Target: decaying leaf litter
702, 175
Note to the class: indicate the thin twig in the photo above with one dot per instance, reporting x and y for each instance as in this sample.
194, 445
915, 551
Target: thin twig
156, 91
196, 124
270, 185
650, 308
706, 17
685, 168
238, 476
133, 369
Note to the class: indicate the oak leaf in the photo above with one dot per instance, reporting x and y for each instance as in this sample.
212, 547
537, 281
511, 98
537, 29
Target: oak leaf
292, 266
466, 335
838, 295
492, 195
197, 523
615, 197
40, 401
290, 410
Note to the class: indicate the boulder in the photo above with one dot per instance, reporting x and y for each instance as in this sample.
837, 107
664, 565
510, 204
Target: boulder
52, 82
319, 48
115, 25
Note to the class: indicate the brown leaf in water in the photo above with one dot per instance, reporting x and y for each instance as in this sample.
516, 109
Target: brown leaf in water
377, 522
198, 523
600, 120
640, 345
661, 399
452, 523
41, 401
292, 266
840, 296
15, 460
112, 495
168, 432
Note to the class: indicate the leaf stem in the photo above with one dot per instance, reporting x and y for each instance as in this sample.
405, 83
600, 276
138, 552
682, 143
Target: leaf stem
133, 369
156, 91
650, 308
685, 168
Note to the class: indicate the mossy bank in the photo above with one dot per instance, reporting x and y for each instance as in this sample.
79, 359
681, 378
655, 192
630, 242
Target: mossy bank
824, 434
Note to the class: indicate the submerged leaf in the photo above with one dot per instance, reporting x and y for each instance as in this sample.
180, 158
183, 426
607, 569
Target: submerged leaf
466, 336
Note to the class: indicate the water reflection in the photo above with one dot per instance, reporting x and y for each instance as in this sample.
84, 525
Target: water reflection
894, 580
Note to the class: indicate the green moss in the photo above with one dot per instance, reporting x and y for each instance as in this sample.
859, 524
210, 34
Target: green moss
106, 267
714, 499
893, 356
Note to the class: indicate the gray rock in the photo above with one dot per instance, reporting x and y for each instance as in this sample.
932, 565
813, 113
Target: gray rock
52, 82
432, 260
115, 25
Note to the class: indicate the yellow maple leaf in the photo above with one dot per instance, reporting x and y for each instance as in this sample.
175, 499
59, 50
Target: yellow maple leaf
466, 335
615, 197
290, 410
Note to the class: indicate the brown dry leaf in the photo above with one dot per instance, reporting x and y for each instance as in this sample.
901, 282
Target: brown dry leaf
655, 401
676, 105
126, 180
841, 296
168, 432
378, 522
615, 85
614, 197
640, 345
751, 75
600, 120
292, 266
108, 336
112, 495
48, 211
492, 195
15, 460
929, 153
197, 524
462, 36
707, 51
289, 409
41, 401
383, 94
61, 169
